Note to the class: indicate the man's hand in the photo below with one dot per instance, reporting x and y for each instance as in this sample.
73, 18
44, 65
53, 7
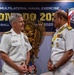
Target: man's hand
50, 66
30, 68
23, 69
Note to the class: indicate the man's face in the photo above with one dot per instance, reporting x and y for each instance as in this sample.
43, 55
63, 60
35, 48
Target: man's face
19, 25
56, 21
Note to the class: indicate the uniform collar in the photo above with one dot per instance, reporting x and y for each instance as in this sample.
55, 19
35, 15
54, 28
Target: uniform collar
65, 25
14, 33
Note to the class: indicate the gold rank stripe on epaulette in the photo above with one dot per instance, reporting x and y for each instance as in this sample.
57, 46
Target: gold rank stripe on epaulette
69, 27
8, 32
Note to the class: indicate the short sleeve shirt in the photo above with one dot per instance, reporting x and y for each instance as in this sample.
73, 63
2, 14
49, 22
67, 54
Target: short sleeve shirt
62, 42
15, 45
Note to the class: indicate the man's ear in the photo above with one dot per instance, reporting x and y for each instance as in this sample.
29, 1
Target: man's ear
13, 23
61, 17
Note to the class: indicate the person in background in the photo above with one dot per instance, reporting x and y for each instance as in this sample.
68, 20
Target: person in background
61, 62
15, 48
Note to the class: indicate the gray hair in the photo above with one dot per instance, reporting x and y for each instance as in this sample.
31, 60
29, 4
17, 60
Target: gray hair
14, 17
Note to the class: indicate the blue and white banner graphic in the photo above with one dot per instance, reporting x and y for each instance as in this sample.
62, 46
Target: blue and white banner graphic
33, 11
71, 16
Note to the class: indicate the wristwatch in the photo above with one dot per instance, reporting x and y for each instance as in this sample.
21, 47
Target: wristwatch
55, 66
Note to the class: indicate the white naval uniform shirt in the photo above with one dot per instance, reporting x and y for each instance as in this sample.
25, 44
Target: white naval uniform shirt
16, 46
63, 43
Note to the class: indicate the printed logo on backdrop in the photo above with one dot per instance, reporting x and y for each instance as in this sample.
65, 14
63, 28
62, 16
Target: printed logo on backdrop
71, 16
33, 11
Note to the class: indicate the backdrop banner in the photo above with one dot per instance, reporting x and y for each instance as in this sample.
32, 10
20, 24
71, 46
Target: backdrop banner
71, 16
32, 11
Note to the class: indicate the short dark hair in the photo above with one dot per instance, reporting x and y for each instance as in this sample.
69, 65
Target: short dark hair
62, 13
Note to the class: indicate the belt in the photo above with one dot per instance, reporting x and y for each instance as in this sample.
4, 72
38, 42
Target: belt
22, 62
19, 62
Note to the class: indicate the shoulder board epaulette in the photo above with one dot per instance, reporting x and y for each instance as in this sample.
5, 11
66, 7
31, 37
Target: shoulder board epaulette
8, 32
69, 27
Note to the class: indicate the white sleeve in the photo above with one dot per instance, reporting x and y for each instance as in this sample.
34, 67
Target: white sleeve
4, 43
29, 47
69, 40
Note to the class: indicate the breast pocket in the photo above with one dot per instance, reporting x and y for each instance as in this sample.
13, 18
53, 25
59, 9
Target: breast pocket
60, 43
15, 41
16, 44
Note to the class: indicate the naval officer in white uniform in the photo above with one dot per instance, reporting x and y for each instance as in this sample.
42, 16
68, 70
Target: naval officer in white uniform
61, 62
15, 48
